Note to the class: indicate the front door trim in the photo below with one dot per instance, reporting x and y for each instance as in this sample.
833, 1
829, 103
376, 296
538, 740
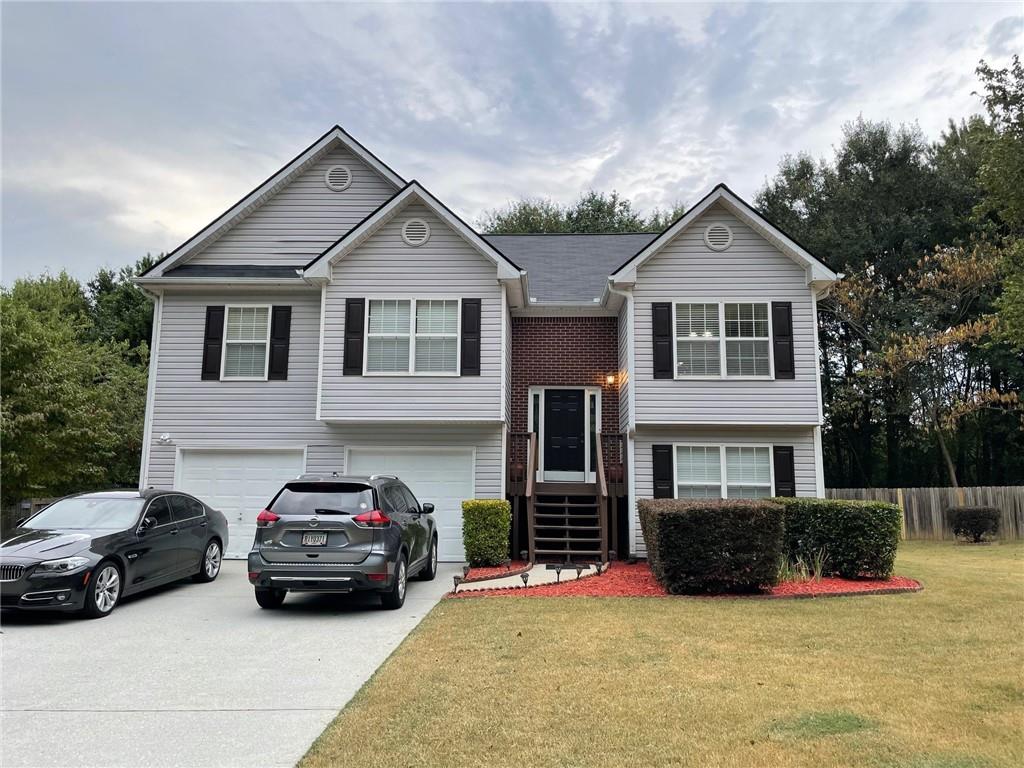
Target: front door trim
537, 418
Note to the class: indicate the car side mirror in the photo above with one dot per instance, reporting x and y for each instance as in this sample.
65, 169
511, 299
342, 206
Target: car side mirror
428, 508
147, 523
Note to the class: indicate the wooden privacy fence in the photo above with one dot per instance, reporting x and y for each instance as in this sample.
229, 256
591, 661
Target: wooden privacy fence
924, 509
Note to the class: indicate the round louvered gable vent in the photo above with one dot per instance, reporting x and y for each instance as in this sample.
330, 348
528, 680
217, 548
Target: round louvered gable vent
718, 237
415, 232
338, 178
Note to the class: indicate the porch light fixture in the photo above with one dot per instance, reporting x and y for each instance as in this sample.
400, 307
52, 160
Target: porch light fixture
609, 379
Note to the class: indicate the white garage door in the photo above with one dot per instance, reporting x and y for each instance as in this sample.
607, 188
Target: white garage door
441, 476
239, 484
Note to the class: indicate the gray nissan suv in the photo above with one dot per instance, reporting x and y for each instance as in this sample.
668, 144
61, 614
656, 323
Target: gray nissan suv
342, 534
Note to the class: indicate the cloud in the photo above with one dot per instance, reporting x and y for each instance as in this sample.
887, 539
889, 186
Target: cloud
127, 127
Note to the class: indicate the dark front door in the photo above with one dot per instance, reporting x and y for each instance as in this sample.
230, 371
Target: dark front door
564, 430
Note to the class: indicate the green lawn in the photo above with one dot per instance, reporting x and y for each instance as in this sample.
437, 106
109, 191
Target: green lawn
933, 679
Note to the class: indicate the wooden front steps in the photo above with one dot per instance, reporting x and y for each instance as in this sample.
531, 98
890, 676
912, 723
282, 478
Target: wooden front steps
567, 522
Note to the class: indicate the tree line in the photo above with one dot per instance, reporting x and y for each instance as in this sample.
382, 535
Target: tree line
921, 343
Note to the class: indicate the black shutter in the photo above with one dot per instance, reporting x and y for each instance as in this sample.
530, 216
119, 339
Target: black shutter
663, 472
470, 337
213, 341
782, 339
354, 338
280, 336
661, 322
785, 474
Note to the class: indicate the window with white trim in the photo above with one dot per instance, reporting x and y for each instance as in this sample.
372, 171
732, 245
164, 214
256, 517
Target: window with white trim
246, 340
748, 472
419, 336
698, 472
698, 340
720, 472
747, 340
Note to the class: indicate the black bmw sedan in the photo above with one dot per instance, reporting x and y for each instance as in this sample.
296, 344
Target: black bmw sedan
85, 552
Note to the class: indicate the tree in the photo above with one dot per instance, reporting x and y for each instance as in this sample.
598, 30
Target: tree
72, 405
594, 212
121, 311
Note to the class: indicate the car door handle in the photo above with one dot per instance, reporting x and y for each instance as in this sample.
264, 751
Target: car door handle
174, 532
202, 524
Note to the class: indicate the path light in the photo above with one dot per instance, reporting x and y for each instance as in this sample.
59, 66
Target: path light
611, 555
579, 571
525, 576
558, 574
465, 570
458, 580
523, 554
508, 563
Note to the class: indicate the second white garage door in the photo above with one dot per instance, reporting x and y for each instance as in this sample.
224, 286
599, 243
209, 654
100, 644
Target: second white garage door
441, 476
239, 484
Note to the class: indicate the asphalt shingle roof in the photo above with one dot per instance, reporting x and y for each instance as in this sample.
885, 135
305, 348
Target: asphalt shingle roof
569, 268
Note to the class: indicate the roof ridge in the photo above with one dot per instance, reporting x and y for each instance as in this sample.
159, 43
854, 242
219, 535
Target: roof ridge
564, 234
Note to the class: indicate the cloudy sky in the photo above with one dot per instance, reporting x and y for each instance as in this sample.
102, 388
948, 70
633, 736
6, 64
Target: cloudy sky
127, 127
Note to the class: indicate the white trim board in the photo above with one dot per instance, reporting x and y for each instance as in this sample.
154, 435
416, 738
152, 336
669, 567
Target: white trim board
817, 272
334, 137
154, 355
320, 268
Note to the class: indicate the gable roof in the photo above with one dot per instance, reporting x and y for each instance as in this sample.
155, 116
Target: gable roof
411, 192
335, 136
569, 268
817, 270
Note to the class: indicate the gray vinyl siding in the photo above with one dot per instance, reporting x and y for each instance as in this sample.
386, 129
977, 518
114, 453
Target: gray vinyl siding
801, 438
625, 385
384, 267
303, 218
265, 414
197, 414
750, 270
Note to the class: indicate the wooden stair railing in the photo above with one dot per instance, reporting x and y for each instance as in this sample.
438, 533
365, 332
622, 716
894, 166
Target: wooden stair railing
531, 509
603, 507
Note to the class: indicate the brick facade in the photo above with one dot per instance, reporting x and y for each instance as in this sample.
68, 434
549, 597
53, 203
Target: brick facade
566, 351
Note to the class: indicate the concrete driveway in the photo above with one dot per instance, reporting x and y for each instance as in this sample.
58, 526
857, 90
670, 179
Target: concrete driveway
193, 675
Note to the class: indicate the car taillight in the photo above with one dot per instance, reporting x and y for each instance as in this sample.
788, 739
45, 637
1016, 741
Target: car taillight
265, 518
372, 519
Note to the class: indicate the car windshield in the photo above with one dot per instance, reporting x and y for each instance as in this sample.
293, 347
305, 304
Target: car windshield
322, 499
87, 513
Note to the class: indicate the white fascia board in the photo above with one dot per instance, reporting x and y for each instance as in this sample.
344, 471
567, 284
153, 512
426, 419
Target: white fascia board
219, 283
334, 136
816, 271
413, 192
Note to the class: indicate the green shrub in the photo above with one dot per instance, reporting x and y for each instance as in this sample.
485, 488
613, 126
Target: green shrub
973, 523
712, 546
485, 528
857, 538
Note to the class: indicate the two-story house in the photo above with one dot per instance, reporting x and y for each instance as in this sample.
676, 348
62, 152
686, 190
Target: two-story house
341, 319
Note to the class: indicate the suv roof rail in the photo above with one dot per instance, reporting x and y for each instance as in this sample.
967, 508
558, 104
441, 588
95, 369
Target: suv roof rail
387, 477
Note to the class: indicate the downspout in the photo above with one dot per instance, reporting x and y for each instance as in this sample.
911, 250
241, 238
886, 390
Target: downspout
630, 419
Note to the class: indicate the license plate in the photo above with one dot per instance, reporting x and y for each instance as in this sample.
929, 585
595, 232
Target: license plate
314, 539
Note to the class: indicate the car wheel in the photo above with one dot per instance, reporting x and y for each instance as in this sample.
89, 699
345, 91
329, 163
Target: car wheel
103, 592
429, 570
270, 598
209, 565
394, 598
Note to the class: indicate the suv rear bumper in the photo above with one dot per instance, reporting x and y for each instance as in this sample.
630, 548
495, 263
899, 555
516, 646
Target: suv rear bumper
376, 572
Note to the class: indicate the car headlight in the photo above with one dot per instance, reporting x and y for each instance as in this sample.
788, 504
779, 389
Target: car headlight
64, 564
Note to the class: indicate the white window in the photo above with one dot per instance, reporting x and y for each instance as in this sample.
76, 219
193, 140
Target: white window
748, 472
747, 340
698, 340
698, 472
702, 342
723, 472
246, 340
419, 336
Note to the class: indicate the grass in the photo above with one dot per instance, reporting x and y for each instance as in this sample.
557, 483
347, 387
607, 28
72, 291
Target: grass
933, 679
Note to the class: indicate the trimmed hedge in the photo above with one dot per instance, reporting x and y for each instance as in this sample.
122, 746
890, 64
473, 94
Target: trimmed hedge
712, 546
859, 537
485, 530
973, 523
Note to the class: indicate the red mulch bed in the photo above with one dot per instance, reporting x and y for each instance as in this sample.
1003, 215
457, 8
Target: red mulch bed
625, 580
483, 573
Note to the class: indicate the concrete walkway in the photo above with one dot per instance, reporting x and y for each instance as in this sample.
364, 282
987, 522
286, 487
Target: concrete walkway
193, 675
539, 574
